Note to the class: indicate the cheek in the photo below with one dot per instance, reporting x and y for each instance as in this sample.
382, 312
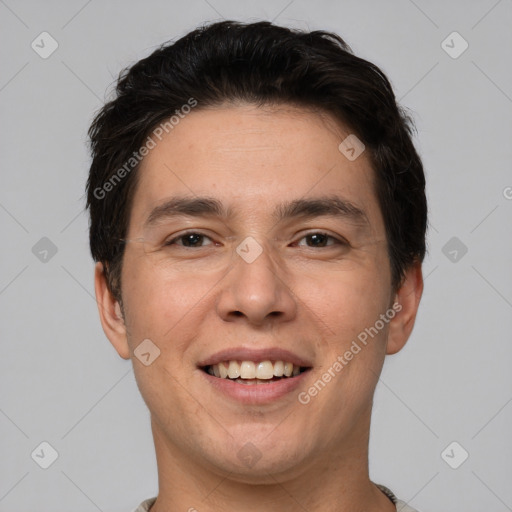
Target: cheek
344, 303
352, 350
164, 306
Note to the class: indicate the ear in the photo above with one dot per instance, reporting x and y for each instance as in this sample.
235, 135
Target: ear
110, 313
407, 300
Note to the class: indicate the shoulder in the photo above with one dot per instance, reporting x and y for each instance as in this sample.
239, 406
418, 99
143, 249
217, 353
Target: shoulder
145, 505
401, 506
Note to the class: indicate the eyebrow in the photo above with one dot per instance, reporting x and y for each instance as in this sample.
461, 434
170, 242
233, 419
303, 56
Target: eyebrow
333, 206
193, 207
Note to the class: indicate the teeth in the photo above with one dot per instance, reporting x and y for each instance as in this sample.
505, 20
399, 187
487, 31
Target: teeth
233, 369
247, 370
264, 370
223, 369
250, 372
279, 368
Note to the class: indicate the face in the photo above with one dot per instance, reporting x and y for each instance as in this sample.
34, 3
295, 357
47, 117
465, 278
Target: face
256, 247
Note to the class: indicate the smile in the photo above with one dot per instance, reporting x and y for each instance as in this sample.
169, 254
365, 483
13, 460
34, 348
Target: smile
254, 372
252, 376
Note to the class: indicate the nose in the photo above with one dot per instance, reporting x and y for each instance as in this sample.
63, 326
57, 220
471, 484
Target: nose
256, 292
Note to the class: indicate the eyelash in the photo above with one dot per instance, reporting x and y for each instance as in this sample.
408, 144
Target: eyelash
337, 241
183, 235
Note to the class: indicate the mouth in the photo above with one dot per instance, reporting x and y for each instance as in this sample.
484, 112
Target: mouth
254, 372
251, 376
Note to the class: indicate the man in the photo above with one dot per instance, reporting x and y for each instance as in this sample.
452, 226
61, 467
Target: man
258, 219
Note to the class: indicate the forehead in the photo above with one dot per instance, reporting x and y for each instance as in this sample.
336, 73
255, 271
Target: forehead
253, 158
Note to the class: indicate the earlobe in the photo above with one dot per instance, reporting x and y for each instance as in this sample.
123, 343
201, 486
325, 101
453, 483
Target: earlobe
111, 316
408, 298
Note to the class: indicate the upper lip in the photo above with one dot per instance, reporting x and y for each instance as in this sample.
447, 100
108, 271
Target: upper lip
251, 354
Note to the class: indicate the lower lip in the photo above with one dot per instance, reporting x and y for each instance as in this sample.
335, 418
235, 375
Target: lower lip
256, 393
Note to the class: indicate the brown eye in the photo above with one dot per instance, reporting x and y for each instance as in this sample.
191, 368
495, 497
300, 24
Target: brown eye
190, 240
318, 240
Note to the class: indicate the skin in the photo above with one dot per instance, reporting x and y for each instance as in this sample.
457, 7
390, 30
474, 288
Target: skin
311, 300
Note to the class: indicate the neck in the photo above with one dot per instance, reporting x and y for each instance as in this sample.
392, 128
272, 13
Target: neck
336, 481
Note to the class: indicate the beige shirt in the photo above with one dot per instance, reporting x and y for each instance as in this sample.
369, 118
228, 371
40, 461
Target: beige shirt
401, 506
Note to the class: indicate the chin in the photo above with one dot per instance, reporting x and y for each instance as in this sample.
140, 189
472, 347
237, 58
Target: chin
269, 469
262, 458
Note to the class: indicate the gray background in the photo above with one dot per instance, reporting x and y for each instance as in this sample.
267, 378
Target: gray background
61, 380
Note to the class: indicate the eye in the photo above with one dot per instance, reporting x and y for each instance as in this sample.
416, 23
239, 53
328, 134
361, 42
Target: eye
319, 239
190, 240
